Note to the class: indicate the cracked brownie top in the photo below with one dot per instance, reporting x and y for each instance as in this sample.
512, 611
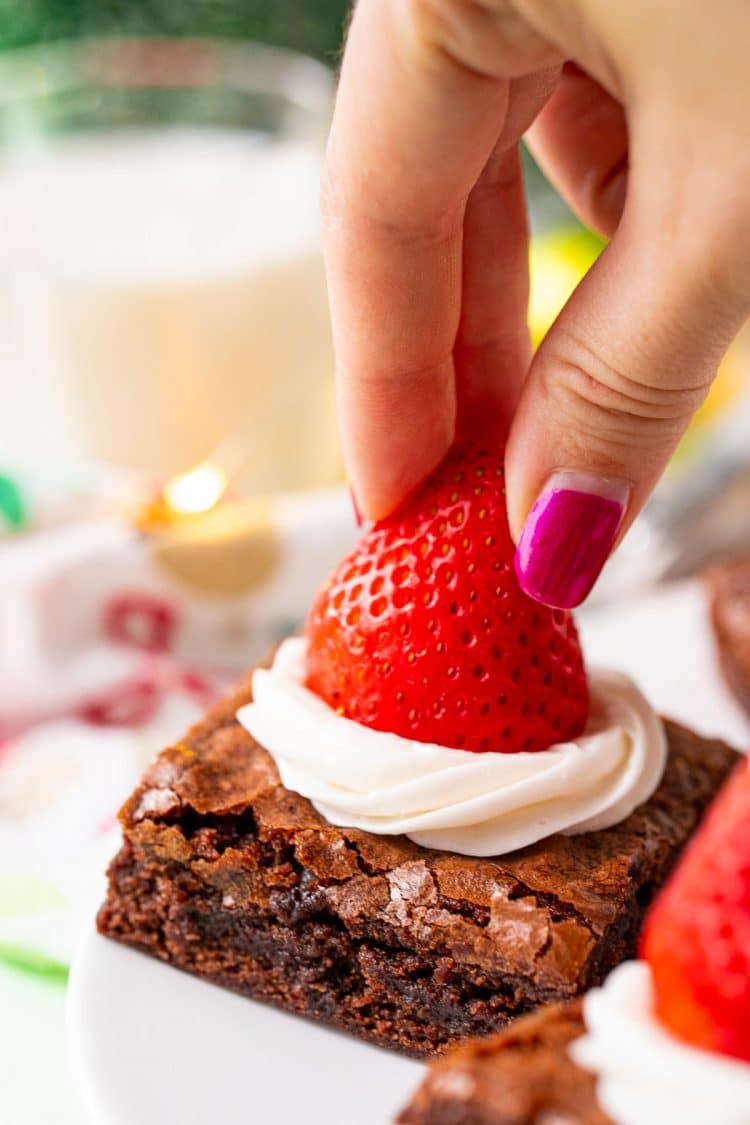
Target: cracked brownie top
215, 800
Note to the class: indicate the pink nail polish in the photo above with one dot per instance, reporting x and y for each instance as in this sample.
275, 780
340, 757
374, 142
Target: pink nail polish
357, 514
568, 537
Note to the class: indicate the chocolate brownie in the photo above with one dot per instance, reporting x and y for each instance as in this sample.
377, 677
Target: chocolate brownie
729, 591
520, 1076
226, 874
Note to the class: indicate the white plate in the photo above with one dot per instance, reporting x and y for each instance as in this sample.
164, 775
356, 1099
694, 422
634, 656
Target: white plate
152, 1046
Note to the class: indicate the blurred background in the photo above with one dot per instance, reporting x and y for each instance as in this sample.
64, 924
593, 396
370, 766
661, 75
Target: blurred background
171, 485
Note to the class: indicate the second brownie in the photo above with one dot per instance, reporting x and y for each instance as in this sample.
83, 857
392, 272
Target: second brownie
729, 592
523, 1075
226, 874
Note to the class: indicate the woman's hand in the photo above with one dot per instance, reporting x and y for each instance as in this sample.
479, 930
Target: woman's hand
639, 112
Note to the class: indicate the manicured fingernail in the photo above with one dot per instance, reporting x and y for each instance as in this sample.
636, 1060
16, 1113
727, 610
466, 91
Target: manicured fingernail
357, 514
568, 536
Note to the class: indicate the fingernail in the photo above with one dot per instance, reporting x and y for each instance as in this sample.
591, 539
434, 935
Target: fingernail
568, 537
357, 514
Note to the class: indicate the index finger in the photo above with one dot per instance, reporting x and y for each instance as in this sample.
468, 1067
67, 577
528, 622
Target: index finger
413, 128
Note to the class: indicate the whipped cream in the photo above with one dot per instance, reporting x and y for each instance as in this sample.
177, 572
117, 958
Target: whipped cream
645, 1076
454, 800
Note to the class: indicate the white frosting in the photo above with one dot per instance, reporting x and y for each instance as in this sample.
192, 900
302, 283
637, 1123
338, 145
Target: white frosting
475, 804
645, 1075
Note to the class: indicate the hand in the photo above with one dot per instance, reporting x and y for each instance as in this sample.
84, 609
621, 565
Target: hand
640, 114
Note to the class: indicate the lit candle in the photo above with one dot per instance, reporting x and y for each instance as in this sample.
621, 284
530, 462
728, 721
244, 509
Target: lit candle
196, 490
184, 498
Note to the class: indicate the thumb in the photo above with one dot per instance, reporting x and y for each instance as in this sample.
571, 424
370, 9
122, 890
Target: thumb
612, 390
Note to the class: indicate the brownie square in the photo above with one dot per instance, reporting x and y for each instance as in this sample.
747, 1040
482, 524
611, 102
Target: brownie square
228, 875
520, 1076
729, 593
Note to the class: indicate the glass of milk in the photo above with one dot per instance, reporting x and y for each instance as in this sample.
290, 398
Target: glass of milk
161, 286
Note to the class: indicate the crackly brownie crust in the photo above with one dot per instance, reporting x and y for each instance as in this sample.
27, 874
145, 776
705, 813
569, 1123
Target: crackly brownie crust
729, 591
226, 874
519, 1076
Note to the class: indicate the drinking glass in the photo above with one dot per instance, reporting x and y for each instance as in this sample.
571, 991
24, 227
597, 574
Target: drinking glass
162, 298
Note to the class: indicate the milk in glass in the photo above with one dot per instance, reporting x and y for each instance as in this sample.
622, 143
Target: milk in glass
162, 294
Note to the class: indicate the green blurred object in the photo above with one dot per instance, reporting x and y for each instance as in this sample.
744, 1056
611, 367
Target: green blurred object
28, 961
312, 26
12, 507
22, 899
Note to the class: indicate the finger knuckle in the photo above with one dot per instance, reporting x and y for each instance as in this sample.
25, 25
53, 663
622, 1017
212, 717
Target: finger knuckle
490, 37
436, 20
433, 21
604, 408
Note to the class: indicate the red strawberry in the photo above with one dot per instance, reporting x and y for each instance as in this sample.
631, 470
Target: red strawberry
697, 936
423, 629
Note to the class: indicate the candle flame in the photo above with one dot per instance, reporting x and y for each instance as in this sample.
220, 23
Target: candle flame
196, 490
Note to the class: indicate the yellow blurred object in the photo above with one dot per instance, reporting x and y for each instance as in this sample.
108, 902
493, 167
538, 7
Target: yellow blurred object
204, 541
557, 261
